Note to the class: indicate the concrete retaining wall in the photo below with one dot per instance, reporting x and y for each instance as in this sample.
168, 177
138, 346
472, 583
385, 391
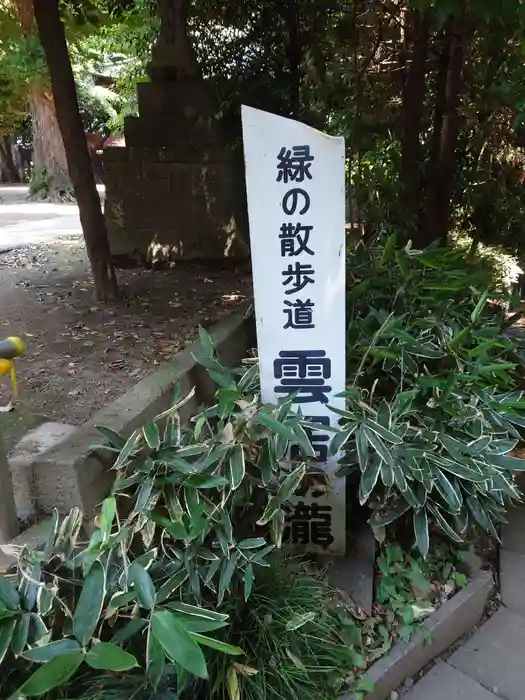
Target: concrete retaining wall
68, 476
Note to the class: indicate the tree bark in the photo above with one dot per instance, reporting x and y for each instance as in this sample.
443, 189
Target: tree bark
293, 53
52, 36
441, 186
417, 33
439, 109
48, 147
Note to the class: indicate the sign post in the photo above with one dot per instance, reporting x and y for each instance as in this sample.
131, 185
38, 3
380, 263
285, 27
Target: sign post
295, 179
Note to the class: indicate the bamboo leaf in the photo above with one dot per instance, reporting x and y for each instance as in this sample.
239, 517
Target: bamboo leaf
387, 474
53, 674
216, 644
275, 427
298, 621
21, 631
227, 571
109, 510
253, 543
46, 652
248, 581
362, 448
143, 584
291, 484
178, 644
479, 306
90, 602
203, 481
151, 435
115, 439
369, 480
9, 597
508, 463
237, 467
447, 491
206, 342
7, 627
132, 443
234, 691
383, 432
105, 656
155, 659
421, 531
378, 445
389, 515
341, 438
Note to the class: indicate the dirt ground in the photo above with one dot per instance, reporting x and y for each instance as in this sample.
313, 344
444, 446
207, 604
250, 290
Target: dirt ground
81, 354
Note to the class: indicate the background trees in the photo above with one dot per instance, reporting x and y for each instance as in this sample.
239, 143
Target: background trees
429, 94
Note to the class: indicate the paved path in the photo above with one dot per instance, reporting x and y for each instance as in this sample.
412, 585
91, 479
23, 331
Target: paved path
24, 223
491, 664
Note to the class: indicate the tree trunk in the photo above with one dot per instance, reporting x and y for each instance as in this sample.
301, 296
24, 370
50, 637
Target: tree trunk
441, 187
439, 111
53, 39
7, 164
417, 34
294, 53
48, 146
50, 163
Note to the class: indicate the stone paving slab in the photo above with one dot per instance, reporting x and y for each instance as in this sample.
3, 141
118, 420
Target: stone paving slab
445, 682
495, 656
512, 574
513, 532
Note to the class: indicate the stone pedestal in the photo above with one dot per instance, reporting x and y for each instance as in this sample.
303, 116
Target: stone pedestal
174, 191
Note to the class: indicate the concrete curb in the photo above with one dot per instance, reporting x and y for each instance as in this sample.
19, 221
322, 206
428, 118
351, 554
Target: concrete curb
67, 476
455, 618
32, 538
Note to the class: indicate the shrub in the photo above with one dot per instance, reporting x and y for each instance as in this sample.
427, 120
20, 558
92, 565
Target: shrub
296, 642
194, 514
434, 406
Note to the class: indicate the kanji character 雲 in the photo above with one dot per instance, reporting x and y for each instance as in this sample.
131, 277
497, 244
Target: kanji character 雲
290, 201
303, 372
294, 164
294, 240
298, 275
300, 314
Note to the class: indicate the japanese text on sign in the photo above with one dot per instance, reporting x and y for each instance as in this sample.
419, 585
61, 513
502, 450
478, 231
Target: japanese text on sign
295, 186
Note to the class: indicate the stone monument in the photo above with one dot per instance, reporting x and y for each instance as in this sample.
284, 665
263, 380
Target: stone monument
174, 190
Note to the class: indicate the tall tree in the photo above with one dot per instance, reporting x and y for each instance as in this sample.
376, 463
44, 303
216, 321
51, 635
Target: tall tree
446, 128
414, 92
53, 38
49, 154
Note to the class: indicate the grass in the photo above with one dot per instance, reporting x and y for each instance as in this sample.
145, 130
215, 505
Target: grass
298, 640
302, 640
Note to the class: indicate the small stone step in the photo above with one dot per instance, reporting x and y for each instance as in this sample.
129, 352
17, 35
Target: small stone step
33, 537
354, 572
447, 683
513, 532
512, 576
495, 656
21, 459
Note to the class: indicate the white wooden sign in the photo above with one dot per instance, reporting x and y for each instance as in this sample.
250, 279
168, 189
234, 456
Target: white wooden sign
295, 179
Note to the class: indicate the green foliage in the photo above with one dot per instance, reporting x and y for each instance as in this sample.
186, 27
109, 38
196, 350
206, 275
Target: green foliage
295, 647
434, 410
186, 529
410, 588
40, 184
